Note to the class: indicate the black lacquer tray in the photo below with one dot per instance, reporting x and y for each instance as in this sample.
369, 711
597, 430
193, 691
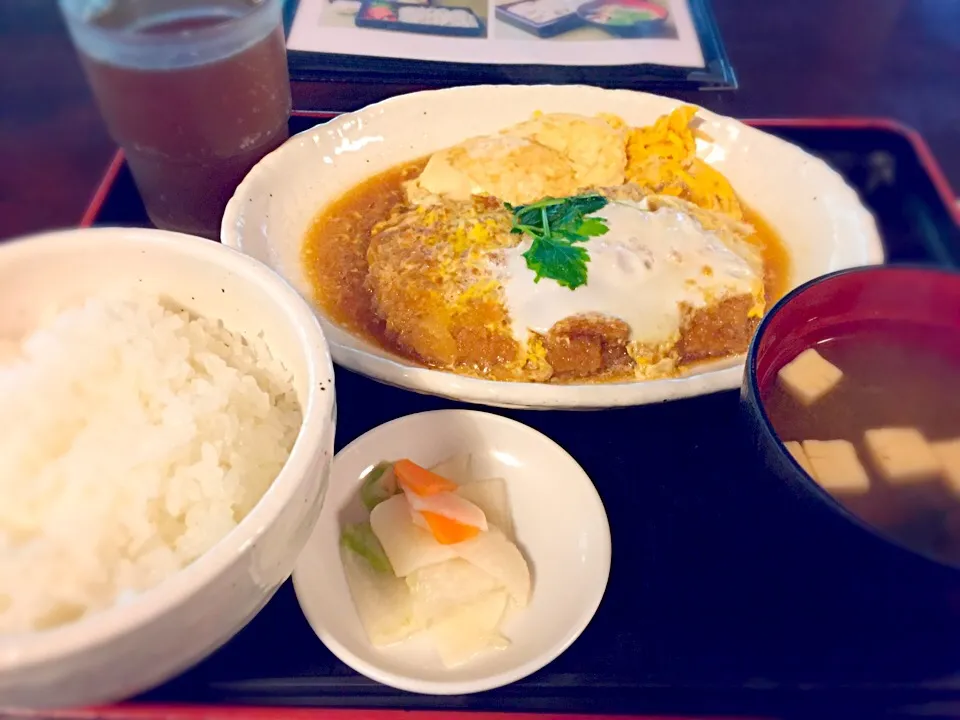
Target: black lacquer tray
713, 605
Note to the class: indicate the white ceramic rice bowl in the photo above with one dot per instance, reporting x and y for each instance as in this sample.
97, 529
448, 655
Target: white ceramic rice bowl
126, 649
819, 217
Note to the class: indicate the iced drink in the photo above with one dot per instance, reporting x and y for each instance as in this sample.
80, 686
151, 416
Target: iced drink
195, 91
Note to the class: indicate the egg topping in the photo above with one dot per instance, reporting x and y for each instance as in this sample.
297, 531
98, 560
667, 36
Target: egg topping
644, 271
564, 248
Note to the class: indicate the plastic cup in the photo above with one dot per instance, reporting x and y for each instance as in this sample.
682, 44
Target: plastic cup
194, 91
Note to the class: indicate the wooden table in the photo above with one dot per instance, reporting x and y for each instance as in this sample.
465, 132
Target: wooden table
895, 58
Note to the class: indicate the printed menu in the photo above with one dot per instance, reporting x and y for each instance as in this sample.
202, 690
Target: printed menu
675, 34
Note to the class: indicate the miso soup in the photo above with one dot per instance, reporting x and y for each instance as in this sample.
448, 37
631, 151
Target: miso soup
883, 434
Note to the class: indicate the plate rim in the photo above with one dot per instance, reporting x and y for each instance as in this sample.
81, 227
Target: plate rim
391, 369
505, 677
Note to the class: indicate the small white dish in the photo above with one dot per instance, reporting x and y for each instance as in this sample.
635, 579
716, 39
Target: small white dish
561, 528
818, 216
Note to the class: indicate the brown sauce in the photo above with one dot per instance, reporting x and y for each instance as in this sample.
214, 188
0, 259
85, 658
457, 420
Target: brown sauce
335, 252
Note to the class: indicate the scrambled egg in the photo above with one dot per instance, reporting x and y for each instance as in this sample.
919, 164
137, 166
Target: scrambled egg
549, 156
559, 154
663, 158
594, 148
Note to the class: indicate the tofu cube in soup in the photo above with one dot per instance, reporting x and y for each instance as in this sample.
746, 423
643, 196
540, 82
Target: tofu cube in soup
796, 449
948, 453
808, 377
902, 455
837, 467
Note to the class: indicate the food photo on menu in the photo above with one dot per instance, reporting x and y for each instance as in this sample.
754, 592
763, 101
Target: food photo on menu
578, 20
315, 412
450, 18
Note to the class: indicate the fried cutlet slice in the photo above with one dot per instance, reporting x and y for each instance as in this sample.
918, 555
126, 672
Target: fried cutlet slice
433, 276
430, 274
718, 330
587, 346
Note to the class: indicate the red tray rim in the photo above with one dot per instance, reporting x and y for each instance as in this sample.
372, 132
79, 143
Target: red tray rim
928, 161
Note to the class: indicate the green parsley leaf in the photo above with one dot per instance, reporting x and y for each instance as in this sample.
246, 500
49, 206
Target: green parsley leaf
556, 225
587, 204
593, 226
560, 261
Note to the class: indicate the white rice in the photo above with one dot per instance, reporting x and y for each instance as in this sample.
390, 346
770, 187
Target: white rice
439, 16
133, 437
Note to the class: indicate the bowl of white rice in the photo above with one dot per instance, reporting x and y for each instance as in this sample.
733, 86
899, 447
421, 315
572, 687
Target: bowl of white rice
167, 417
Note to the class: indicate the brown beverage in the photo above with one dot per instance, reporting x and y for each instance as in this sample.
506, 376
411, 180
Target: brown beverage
195, 91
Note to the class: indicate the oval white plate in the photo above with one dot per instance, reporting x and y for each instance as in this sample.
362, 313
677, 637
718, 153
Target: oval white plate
820, 218
561, 528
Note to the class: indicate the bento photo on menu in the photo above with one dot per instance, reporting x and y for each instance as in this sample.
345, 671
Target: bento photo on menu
441, 18
510, 32
584, 19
